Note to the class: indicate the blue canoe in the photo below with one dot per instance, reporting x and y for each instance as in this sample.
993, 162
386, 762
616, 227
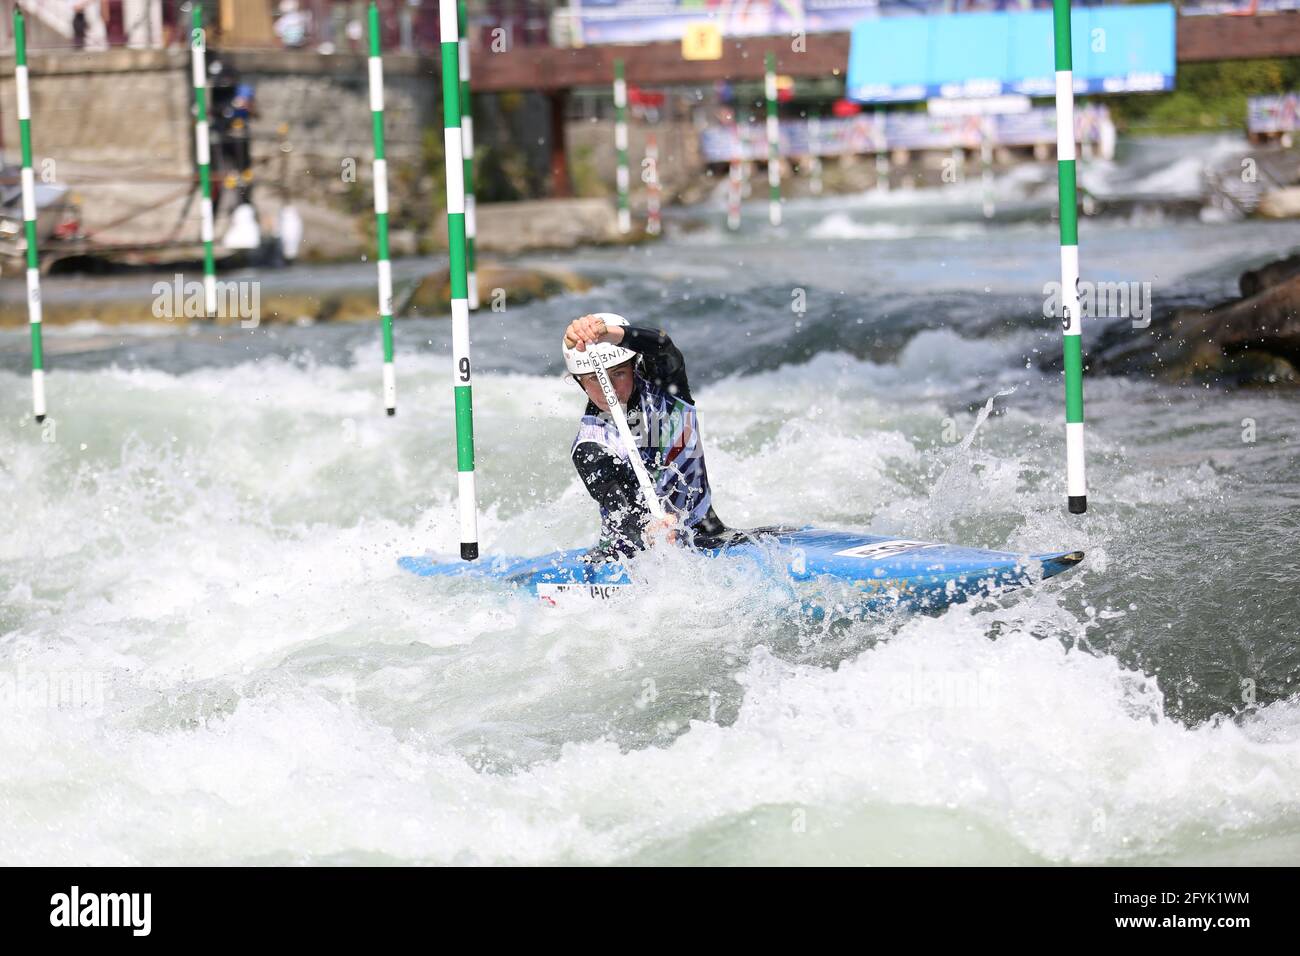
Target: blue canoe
828, 571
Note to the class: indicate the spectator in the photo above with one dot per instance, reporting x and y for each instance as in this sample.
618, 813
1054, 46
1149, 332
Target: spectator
79, 24
293, 24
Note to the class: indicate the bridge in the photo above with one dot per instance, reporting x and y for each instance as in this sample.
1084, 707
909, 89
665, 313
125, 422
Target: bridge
551, 69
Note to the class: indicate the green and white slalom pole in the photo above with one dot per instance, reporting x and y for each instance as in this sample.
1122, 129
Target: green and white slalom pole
773, 145
29, 214
203, 154
461, 380
467, 137
383, 264
620, 144
1071, 321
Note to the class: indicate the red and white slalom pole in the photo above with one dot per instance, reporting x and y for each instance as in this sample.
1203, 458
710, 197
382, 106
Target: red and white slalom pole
734, 181
650, 175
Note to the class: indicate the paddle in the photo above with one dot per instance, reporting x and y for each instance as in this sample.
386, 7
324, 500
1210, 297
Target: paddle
633, 456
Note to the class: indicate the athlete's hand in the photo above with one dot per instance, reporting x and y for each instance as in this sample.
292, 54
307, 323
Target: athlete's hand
589, 330
662, 528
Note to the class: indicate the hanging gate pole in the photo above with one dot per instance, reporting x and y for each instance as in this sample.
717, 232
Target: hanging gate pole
1071, 321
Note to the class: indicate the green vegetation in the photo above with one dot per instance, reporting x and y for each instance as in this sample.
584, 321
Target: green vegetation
502, 169
417, 193
502, 174
585, 176
1209, 96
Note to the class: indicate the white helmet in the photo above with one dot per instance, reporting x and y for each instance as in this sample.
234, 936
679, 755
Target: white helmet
609, 355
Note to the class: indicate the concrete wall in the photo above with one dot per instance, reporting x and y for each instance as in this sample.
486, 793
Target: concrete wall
125, 108
324, 102
591, 143
132, 108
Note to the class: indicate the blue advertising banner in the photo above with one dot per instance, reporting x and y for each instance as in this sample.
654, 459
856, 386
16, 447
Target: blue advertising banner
1125, 49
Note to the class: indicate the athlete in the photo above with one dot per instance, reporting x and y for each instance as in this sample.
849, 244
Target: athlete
648, 375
